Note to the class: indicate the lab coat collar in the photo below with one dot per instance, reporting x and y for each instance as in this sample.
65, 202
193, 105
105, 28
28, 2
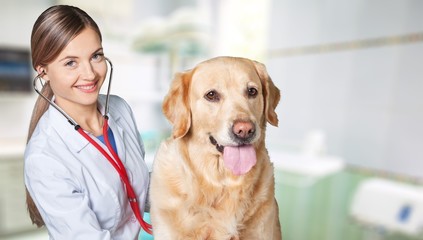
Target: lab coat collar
73, 139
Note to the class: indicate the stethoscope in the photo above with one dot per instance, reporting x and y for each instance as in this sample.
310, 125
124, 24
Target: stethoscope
114, 159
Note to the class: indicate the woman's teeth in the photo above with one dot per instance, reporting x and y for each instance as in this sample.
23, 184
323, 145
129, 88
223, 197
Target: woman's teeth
86, 87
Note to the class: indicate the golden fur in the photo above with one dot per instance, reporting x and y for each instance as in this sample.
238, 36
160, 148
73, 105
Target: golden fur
192, 194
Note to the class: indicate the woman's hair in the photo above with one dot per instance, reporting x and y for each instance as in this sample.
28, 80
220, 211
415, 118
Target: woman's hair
52, 32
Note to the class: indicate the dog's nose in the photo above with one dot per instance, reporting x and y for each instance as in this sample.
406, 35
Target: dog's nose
243, 129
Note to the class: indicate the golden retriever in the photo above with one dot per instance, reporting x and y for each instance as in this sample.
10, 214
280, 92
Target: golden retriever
212, 179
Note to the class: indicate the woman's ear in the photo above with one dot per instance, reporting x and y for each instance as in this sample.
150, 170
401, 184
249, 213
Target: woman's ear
42, 72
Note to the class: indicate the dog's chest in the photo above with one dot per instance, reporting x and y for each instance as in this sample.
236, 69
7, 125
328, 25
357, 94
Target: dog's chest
224, 207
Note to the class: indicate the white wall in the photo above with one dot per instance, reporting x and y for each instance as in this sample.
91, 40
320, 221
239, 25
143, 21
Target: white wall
17, 19
367, 99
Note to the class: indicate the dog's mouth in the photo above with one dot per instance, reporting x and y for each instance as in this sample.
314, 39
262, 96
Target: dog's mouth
218, 146
238, 159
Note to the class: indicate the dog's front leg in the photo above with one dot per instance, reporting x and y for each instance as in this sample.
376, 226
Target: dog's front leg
265, 225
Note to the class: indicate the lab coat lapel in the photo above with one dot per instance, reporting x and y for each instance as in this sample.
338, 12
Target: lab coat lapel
115, 126
119, 136
73, 139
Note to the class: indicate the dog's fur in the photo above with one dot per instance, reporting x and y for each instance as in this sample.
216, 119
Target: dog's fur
193, 195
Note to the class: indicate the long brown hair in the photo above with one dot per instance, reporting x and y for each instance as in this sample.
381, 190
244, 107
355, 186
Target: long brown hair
52, 32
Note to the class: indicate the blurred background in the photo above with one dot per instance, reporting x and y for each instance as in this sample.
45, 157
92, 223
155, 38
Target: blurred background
348, 150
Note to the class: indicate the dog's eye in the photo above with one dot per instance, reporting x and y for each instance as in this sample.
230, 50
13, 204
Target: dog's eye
212, 96
252, 92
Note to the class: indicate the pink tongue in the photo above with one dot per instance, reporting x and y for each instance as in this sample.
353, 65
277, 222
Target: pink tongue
239, 160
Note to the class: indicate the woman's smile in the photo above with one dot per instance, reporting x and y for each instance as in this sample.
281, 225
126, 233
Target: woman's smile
88, 88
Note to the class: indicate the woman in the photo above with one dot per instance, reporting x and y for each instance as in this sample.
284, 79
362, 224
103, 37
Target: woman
72, 187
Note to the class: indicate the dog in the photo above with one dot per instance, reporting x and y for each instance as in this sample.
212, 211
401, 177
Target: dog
212, 178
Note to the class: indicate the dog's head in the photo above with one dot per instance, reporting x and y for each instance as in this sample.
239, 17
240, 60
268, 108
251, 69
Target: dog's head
225, 101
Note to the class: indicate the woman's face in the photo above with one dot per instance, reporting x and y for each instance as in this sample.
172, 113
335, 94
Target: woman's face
78, 73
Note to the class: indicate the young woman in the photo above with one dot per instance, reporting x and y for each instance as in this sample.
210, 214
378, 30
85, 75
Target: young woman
73, 188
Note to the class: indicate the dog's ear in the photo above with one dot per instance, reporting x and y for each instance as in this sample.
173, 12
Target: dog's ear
271, 94
176, 104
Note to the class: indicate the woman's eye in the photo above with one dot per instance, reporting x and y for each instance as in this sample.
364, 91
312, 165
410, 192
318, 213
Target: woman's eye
98, 56
252, 92
70, 63
212, 96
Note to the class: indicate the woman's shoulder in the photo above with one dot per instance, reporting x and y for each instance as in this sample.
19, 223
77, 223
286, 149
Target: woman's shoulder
117, 105
46, 144
114, 100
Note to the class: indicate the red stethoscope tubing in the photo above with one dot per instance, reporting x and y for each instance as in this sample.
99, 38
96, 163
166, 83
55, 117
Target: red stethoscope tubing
120, 168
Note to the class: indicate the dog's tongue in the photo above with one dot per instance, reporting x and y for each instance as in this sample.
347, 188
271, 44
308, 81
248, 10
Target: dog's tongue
239, 160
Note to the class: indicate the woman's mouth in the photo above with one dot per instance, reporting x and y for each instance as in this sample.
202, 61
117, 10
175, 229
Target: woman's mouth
89, 88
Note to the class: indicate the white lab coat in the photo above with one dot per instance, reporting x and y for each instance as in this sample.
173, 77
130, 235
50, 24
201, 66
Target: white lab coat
77, 191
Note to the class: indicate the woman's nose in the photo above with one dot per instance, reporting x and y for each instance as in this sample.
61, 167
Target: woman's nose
87, 72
